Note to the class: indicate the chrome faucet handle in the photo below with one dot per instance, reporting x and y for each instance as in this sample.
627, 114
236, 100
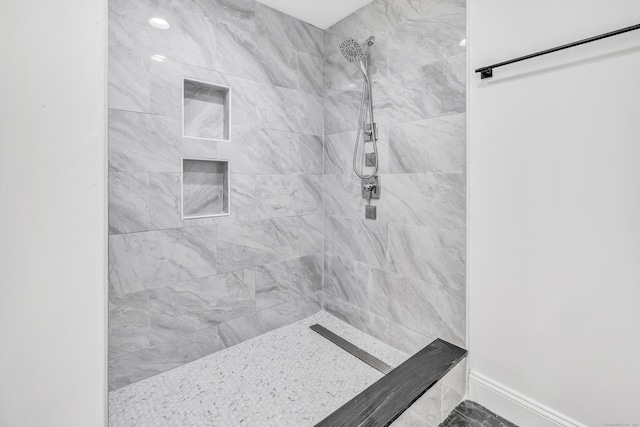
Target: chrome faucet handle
369, 187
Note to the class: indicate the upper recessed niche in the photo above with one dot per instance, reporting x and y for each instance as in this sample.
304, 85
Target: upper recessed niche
206, 110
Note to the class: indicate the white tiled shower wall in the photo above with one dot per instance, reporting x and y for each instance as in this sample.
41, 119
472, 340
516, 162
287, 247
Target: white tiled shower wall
182, 289
402, 277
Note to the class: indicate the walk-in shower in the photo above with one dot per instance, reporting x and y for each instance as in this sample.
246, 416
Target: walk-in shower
252, 116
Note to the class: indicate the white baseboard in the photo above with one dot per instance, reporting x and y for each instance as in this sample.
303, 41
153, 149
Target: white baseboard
514, 406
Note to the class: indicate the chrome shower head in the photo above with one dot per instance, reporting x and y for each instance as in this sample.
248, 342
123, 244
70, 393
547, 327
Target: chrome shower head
352, 50
356, 52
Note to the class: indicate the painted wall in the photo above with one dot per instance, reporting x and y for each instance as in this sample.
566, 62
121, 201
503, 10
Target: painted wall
554, 208
53, 213
400, 278
180, 290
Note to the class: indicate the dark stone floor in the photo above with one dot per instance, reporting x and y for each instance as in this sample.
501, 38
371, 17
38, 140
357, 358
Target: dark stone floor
470, 414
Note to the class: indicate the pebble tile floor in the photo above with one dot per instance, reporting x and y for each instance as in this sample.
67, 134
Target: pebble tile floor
470, 414
288, 377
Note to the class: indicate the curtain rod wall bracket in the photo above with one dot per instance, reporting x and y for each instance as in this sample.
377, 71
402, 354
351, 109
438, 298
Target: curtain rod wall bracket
486, 73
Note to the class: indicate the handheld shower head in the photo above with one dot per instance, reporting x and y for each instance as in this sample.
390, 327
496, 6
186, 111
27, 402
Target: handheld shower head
356, 52
352, 50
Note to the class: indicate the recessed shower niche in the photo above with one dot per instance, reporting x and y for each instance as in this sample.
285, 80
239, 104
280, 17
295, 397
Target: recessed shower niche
205, 188
206, 110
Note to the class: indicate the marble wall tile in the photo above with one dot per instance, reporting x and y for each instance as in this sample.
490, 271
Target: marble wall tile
311, 234
307, 38
349, 313
347, 280
279, 282
128, 202
434, 145
237, 51
234, 13
189, 40
288, 195
429, 309
433, 90
139, 261
310, 155
405, 339
428, 407
310, 74
379, 58
341, 111
357, 239
338, 153
230, 43
244, 328
260, 151
340, 74
290, 110
419, 76
450, 399
383, 15
288, 31
430, 200
154, 360
424, 39
268, 151
142, 142
128, 323
167, 85
166, 88
246, 244
243, 197
280, 62
197, 148
190, 306
456, 378
165, 205
342, 196
429, 255
164, 201
353, 26
129, 80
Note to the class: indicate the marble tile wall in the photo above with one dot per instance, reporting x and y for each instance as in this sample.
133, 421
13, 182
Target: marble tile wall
181, 289
400, 278
296, 240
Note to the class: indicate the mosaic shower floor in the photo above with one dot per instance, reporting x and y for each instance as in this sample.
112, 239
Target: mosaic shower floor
288, 377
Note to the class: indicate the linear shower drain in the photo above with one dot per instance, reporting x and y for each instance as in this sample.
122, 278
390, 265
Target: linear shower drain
367, 358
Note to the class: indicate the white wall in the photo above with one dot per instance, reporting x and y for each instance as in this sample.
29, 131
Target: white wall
554, 251
52, 213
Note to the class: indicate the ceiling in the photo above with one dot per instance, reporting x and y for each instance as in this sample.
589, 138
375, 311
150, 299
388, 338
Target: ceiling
321, 13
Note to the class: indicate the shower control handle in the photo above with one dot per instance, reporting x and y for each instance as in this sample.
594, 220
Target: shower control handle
371, 188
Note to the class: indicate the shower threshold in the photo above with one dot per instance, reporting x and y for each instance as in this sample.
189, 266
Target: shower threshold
291, 376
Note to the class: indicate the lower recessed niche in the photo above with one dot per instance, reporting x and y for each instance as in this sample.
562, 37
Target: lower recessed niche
205, 188
206, 110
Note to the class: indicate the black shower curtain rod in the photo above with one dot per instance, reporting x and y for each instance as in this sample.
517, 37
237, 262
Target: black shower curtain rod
486, 72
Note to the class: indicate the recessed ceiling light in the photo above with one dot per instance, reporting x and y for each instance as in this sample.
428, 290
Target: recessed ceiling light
159, 23
463, 42
158, 58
